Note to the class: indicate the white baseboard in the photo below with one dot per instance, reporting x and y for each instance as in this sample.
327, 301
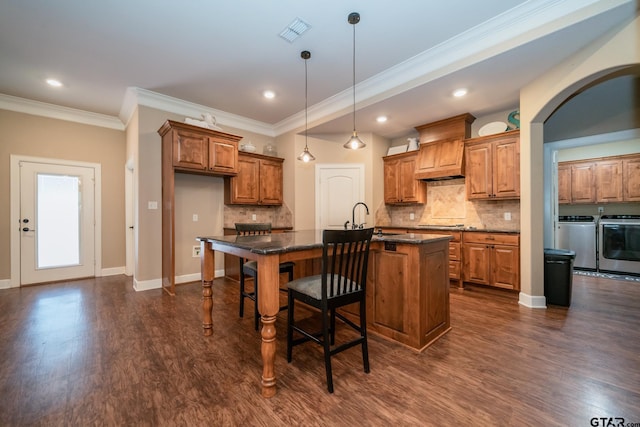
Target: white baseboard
5, 283
113, 271
186, 278
146, 285
532, 301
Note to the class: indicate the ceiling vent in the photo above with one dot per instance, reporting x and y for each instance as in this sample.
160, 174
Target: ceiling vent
294, 30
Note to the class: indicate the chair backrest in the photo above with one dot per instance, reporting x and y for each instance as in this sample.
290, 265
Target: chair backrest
345, 258
253, 228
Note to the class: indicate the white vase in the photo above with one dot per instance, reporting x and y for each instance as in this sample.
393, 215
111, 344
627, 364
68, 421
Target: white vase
413, 144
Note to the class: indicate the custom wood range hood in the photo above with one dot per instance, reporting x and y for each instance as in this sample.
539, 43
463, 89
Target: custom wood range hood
441, 153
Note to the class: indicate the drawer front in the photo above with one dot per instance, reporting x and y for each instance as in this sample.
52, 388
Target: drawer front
454, 251
492, 238
454, 269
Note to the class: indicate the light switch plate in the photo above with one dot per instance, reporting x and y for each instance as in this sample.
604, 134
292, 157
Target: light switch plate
153, 204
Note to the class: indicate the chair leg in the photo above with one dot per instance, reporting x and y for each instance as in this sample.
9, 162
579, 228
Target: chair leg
289, 327
241, 290
327, 350
256, 315
333, 326
363, 329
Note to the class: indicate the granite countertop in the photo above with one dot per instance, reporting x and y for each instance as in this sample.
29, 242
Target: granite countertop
458, 227
308, 239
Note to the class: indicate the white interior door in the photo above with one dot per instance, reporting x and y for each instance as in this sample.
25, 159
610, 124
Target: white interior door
57, 224
340, 187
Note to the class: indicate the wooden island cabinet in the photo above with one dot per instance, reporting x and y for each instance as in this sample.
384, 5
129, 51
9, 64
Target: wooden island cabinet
408, 292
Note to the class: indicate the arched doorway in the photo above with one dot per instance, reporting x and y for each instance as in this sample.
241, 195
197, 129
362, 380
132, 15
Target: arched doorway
538, 101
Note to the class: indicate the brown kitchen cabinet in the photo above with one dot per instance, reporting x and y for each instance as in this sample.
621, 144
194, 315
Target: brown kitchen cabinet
258, 182
408, 292
583, 183
194, 150
614, 179
564, 184
491, 259
400, 185
455, 252
631, 178
608, 176
201, 150
492, 166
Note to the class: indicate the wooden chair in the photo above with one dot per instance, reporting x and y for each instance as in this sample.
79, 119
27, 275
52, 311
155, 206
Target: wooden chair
251, 268
345, 256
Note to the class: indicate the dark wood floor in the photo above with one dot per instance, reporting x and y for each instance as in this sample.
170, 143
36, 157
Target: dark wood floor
95, 352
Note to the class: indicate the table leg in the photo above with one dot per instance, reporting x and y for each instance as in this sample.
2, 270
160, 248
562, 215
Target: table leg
268, 306
207, 265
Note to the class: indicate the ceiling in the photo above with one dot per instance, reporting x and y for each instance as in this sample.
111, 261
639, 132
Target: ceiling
223, 55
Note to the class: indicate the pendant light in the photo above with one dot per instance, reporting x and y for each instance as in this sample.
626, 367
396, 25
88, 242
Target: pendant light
354, 142
305, 156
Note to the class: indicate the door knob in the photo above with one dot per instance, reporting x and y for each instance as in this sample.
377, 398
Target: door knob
27, 229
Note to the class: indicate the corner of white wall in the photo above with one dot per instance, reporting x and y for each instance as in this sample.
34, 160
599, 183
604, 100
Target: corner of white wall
532, 301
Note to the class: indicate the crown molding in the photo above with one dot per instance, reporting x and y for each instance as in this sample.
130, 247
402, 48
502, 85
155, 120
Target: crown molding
517, 26
43, 109
137, 96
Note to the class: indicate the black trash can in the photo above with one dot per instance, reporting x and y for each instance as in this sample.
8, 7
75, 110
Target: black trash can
558, 276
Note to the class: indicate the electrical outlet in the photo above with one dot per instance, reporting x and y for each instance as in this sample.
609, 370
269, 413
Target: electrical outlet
507, 216
412, 216
253, 217
195, 217
196, 252
600, 209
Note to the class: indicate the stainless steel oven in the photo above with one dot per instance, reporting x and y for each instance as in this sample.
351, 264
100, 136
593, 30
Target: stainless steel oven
619, 244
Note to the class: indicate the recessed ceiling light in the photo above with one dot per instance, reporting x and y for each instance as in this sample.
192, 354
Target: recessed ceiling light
269, 94
381, 119
459, 92
54, 83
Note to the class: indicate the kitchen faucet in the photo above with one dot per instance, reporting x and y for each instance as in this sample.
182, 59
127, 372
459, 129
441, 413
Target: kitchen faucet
353, 216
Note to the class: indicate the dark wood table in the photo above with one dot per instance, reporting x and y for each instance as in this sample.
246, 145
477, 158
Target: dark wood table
269, 251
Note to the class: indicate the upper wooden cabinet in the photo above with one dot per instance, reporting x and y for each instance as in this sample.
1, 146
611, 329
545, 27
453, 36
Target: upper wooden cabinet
492, 167
631, 179
400, 185
608, 176
613, 179
258, 182
583, 179
564, 183
199, 150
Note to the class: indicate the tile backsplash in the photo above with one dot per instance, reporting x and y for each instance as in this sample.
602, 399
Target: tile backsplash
278, 216
447, 205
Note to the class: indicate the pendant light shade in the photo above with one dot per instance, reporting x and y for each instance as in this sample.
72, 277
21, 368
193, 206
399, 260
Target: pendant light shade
306, 155
354, 142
